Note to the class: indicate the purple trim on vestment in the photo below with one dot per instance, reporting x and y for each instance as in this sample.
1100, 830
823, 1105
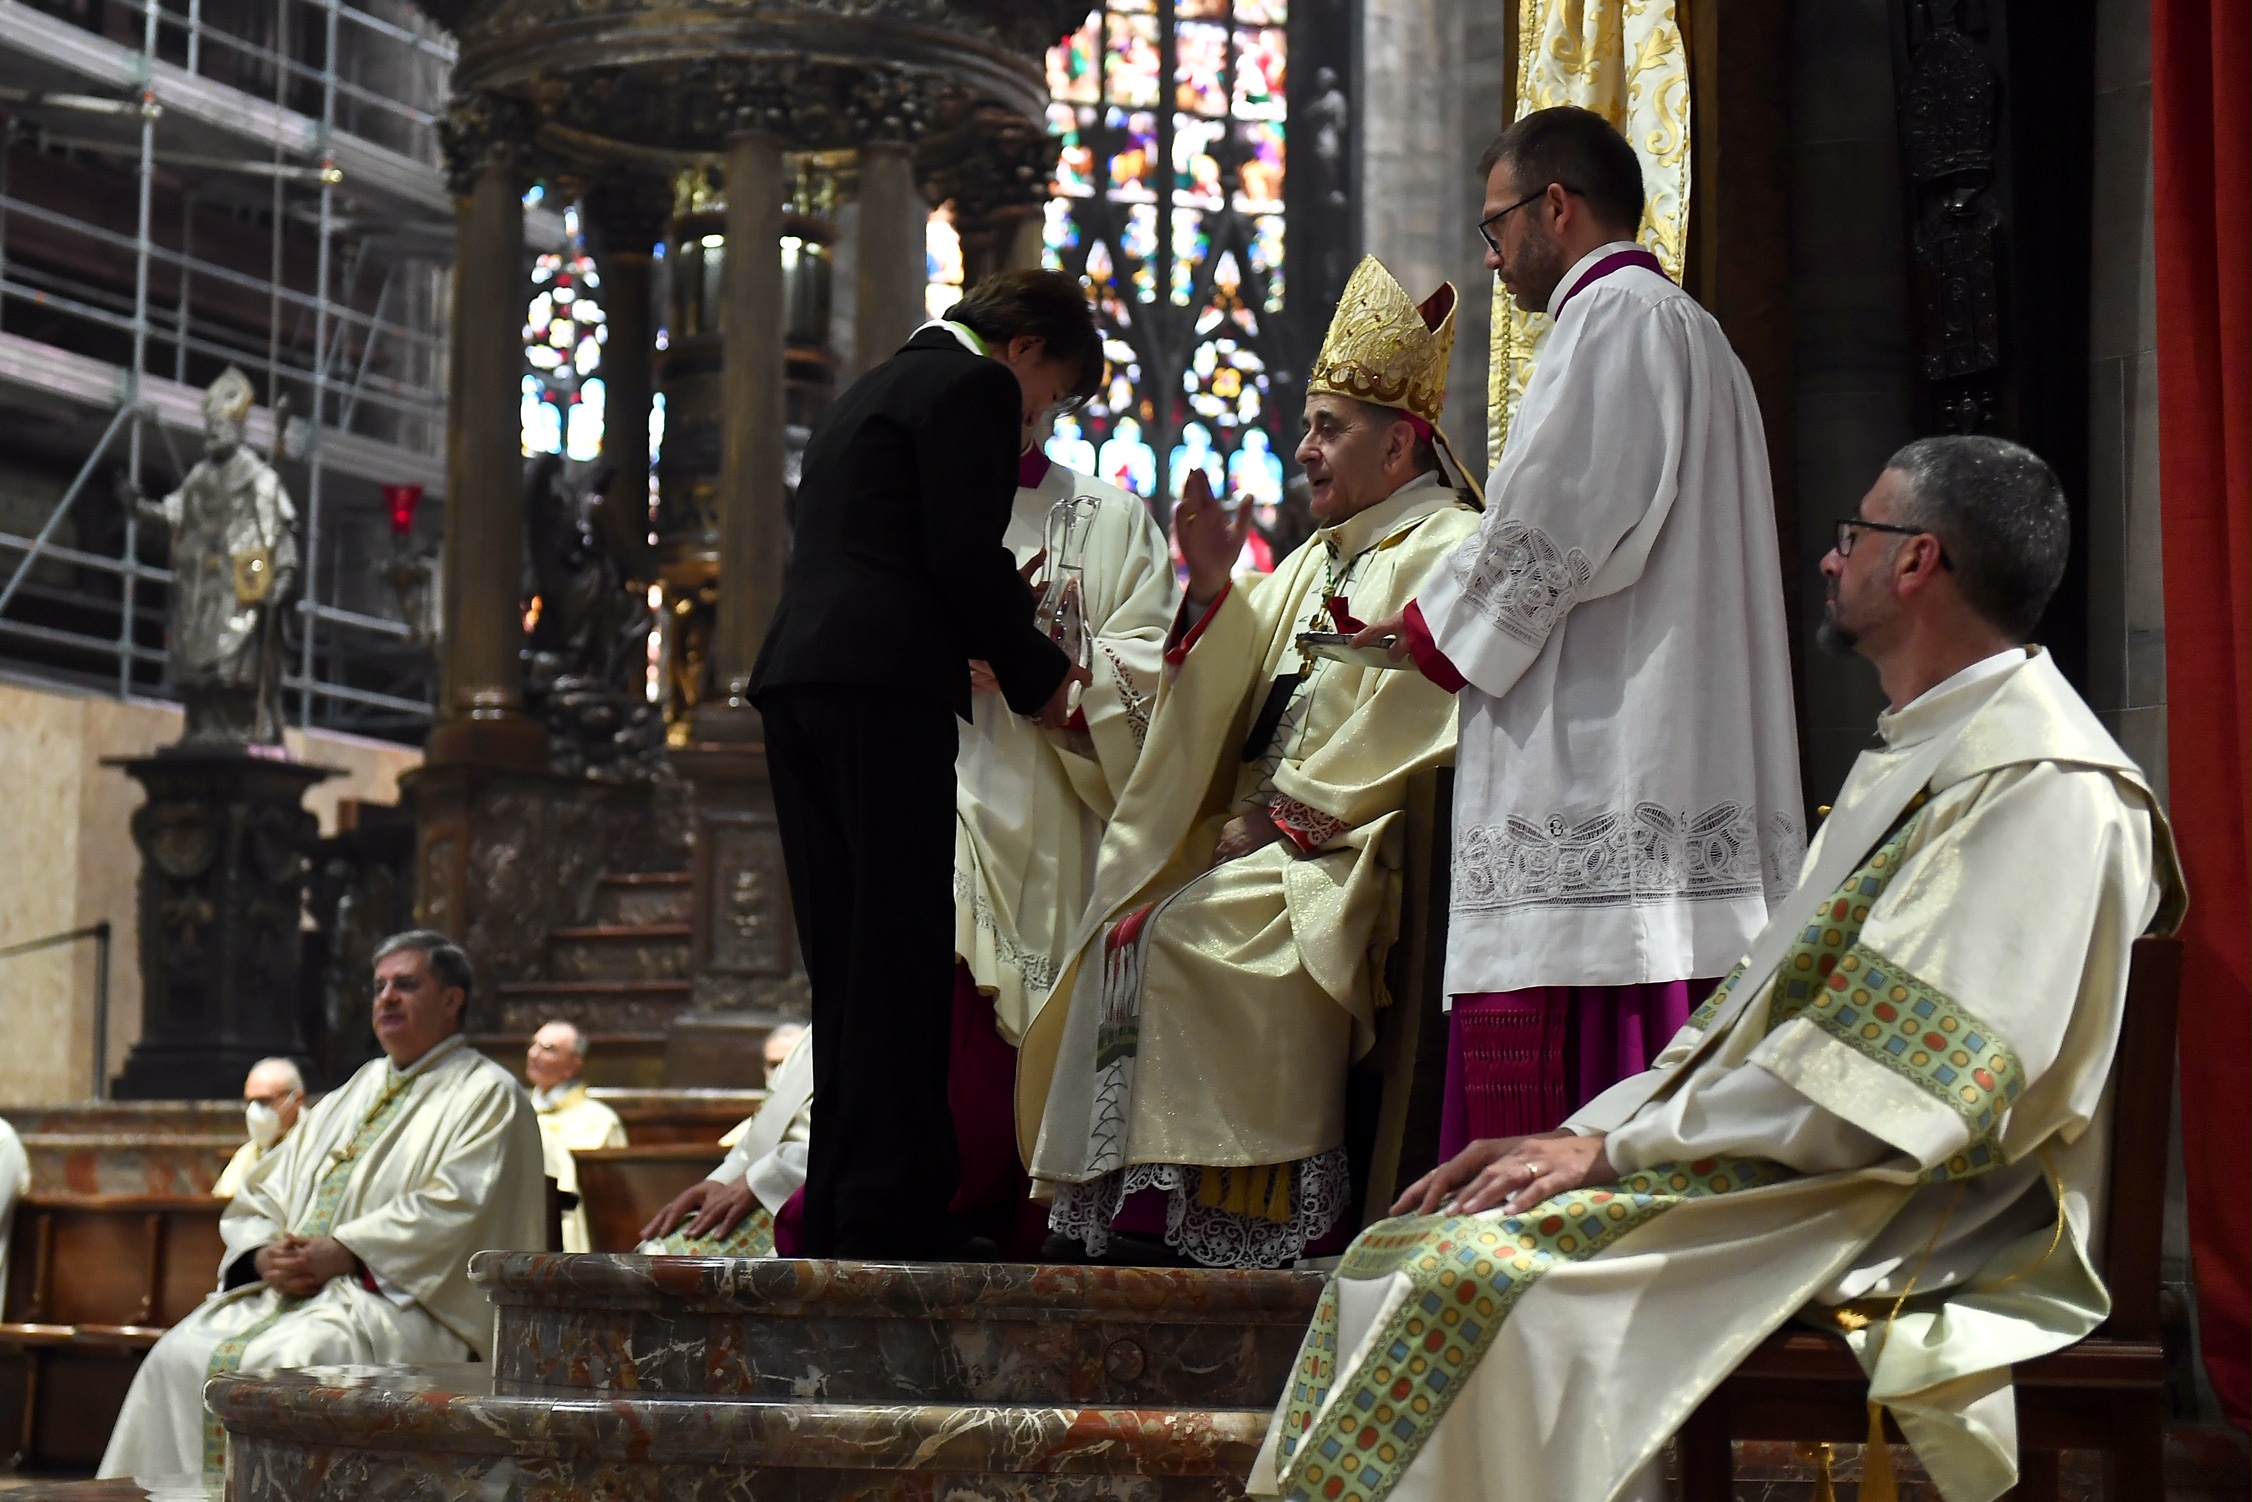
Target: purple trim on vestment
1617, 260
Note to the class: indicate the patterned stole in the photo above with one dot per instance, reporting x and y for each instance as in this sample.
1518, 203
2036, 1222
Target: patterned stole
753, 1236
319, 1219
1469, 1271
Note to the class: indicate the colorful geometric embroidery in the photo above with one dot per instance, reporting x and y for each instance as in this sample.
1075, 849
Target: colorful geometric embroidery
1923, 1035
319, 1219
1468, 1272
753, 1236
1836, 925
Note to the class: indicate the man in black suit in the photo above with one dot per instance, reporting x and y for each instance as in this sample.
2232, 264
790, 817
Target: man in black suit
897, 579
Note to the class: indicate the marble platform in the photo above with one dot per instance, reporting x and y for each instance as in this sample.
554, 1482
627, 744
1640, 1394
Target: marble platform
455, 1433
846, 1332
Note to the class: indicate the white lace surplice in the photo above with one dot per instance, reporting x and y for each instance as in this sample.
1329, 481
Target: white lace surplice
1627, 801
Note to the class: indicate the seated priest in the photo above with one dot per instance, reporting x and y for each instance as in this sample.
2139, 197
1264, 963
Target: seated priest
731, 1213
350, 1243
1889, 1119
1187, 1084
272, 1097
15, 1183
570, 1119
1031, 804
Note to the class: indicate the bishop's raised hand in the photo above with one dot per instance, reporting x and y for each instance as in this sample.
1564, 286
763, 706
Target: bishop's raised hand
1210, 540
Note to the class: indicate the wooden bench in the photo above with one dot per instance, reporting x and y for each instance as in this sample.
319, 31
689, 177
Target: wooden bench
93, 1281
621, 1187
654, 1118
2106, 1393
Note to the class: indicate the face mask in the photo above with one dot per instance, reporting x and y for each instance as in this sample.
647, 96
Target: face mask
265, 1124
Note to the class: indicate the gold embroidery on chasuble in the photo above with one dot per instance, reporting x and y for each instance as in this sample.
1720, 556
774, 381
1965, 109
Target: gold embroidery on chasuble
1467, 1273
319, 1219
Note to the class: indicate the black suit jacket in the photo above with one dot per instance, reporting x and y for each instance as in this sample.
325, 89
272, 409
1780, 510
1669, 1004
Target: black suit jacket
898, 576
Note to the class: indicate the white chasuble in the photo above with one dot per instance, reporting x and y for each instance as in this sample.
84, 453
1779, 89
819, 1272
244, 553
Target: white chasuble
1905, 1093
412, 1170
768, 1152
1213, 1010
572, 1121
1030, 804
1626, 798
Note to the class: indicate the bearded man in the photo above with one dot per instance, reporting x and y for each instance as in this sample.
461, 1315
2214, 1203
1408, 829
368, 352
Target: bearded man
1889, 1118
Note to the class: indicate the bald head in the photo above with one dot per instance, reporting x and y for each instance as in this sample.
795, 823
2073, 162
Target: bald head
778, 1045
557, 1054
274, 1092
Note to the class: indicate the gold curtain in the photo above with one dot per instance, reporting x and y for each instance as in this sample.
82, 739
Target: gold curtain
1625, 60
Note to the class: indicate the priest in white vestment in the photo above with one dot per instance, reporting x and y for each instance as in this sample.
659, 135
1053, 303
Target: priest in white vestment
1031, 804
570, 1119
273, 1097
1899, 1090
1626, 799
350, 1243
731, 1211
1186, 1084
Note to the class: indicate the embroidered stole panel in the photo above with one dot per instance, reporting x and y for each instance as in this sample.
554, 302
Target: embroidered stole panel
318, 1220
1466, 1273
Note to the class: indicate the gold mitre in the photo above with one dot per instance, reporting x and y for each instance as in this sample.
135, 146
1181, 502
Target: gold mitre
230, 397
1385, 349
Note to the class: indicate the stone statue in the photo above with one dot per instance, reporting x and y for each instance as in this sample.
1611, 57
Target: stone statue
234, 562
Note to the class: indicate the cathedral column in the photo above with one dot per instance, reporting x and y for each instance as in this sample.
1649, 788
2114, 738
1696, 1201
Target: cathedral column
888, 291
752, 496
481, 715
628, 215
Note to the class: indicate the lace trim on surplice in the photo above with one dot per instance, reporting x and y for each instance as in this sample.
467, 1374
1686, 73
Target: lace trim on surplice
1320, 1187
1520, 580
1648, 854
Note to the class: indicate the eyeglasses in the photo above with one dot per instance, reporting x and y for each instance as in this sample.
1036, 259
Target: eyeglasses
1496, 217
1846, 526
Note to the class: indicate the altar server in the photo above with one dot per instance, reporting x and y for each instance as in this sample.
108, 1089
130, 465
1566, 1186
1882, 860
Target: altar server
1888, 1118
350, 1243
1627, 804
1031, 804
1187, 1081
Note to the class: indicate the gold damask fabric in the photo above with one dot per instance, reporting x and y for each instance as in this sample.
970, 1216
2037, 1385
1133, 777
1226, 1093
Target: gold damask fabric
1624, 59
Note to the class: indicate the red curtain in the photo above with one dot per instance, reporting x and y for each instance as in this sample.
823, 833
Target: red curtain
2200, 131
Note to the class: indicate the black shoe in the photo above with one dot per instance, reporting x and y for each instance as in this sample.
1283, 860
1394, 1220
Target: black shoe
1127, 1249
1064, 1251
968, 1249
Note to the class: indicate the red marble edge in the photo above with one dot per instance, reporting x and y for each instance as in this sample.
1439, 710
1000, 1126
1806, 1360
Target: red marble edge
811, 1289
296, 1408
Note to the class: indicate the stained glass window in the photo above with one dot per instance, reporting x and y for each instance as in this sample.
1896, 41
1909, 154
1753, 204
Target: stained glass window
564, 330
1168, 201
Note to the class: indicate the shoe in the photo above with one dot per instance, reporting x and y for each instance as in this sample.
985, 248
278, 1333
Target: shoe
1064, 1251
968, 1249
1128, 1249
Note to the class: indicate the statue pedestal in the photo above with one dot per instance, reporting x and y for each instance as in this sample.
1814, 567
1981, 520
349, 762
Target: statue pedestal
743, 945
223, 839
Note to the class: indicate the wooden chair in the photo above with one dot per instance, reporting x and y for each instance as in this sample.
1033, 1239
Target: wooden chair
622, 1187
2106, 1393
93, 1281
1405, 1074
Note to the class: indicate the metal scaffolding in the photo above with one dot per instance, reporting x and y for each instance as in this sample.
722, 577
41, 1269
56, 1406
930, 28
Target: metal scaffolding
313, 122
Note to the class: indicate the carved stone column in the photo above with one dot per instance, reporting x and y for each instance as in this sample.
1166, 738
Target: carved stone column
481, 711
994, 167
888, 284
628, 215
751, 519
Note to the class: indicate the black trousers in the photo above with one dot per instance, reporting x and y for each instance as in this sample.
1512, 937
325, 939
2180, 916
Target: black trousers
864, 794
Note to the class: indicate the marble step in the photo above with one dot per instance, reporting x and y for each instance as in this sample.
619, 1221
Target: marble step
442, 1433
645, 897
597, 1006
859, 1332
619, 951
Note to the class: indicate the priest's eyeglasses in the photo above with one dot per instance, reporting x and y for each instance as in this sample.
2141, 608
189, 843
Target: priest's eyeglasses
1847, 524
1487, 234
